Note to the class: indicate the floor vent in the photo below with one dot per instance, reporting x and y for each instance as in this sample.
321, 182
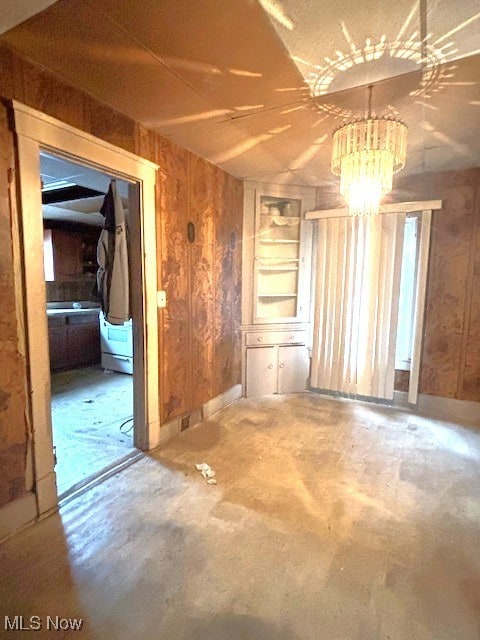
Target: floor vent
185, 423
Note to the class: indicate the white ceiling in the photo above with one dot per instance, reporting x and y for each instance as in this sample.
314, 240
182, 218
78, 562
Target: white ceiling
86, 210
14, 12
219, 79
344, 44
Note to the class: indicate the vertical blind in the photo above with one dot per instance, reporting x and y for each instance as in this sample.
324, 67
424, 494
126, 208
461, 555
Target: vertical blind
358, 263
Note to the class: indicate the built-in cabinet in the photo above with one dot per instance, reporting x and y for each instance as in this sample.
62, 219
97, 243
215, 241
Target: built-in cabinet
74, 339
70, 254
276, 369
276, 309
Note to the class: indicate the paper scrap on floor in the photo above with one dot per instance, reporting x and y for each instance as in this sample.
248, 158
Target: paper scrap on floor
207, 472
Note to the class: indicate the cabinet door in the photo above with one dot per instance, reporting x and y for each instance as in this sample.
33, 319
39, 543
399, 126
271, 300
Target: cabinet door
67, 255
261, 371
83, 344
57, 338
293, 369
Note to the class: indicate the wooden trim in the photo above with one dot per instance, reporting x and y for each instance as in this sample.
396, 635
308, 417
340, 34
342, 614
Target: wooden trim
401, 207
419, 314
36, 323
36, 131
397, 270
17, 514
440, 408
38, 126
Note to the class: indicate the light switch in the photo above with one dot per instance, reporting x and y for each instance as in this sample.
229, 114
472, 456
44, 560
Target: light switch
161, 299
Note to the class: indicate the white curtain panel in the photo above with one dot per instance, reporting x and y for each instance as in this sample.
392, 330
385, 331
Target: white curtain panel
358, 265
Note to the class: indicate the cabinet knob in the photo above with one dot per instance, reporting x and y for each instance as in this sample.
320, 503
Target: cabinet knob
260, 339
270, 366
292, 337
282, 365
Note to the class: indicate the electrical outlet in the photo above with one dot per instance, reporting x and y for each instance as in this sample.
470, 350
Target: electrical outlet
161, 299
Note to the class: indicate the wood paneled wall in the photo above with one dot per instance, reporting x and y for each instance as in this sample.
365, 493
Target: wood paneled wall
199, 330
450, 364
13, 408
202, 279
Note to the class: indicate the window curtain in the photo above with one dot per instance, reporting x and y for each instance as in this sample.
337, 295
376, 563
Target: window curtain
358, 265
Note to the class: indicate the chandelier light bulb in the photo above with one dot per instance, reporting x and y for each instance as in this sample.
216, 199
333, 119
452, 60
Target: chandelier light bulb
366, 153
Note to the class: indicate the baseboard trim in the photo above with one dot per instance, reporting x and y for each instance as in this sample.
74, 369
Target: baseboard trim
17, 514
172, 428
350, 396
92, 481
442, 408
46, 490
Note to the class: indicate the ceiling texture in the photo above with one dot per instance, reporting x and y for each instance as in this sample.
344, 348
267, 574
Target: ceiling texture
259, 86
56, 174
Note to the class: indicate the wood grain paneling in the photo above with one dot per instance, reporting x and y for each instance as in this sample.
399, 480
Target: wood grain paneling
194, 336
201, 257
402, 380
446, 301
6, 72
228, 251
450, 365
203, 278
41, 91
224, 294
471, 371
234, 198
172, 218
13, 408
106, 123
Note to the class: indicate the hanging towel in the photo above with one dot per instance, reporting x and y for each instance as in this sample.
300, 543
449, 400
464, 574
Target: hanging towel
112, 257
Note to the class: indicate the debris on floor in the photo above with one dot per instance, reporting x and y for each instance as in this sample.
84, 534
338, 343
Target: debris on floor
207, 472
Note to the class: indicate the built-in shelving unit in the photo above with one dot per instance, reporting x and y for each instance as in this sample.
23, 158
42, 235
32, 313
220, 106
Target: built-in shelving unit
277, 256
277, 244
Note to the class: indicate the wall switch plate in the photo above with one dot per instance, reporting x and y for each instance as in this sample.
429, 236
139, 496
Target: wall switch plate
161, 299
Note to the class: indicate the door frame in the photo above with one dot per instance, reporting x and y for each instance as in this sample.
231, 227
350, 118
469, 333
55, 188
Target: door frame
425, 209
36, 131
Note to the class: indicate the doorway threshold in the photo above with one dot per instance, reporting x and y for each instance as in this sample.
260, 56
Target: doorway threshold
92, 481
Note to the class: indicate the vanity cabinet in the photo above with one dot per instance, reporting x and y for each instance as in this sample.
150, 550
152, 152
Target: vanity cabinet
276, 309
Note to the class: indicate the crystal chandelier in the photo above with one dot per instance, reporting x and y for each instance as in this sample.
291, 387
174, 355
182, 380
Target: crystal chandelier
366, 154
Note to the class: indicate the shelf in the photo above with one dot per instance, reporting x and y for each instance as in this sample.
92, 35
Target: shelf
279, 241
277, 295
280, 258
281, 221
278, 268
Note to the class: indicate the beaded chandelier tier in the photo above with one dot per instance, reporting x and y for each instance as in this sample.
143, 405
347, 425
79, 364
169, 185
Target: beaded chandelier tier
366, 153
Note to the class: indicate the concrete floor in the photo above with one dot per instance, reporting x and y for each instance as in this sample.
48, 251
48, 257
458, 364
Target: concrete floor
88, 407
331, 520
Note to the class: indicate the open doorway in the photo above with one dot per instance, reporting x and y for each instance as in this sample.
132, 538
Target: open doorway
37, 132
92, 361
